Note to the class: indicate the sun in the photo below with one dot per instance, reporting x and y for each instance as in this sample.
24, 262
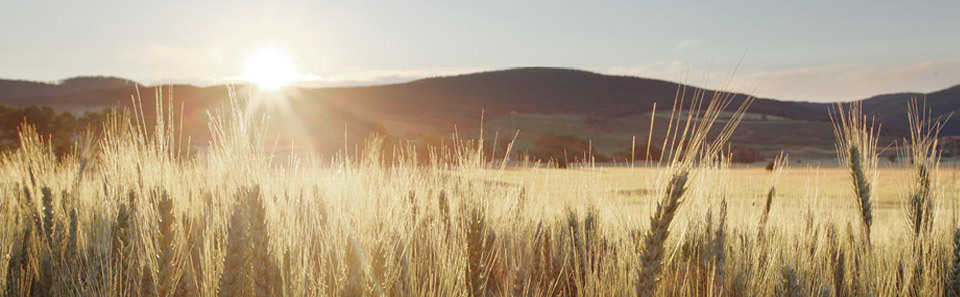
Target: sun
270, 69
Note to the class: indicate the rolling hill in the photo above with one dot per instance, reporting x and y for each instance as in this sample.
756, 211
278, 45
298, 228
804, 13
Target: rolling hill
609, 110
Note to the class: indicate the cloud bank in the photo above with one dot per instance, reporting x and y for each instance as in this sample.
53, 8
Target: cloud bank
826, 83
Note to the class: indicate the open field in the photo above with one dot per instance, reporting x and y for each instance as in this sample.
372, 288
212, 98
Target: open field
127, 215
437, 148
826, 191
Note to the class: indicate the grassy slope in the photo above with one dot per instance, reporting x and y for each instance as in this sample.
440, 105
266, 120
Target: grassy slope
608, 110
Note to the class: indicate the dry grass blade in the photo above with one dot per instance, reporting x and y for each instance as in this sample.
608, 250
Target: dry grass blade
953, 280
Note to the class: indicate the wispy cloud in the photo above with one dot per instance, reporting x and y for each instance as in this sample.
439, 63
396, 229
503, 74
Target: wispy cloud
359, 77
686, 43
833, 82
844, 82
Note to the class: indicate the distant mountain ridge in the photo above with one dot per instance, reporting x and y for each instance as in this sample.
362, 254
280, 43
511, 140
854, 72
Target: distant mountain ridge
594, 105
890, 109
21, 88
569, 90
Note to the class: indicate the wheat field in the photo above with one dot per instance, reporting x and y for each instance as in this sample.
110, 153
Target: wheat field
128, 215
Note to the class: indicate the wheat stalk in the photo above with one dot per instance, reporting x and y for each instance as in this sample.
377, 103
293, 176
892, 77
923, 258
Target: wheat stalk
355, 268
235, 278
479, 251
923, 150
653, 252
51, 248
22, 267
920, 204
265, 272
765, 215
856, 148
789, 284
170, 246
189, 280
720, 242
953, 277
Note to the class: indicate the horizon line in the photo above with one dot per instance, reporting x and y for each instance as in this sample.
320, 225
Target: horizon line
388, 80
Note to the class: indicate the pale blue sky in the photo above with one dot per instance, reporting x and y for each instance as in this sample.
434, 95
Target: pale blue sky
803, 50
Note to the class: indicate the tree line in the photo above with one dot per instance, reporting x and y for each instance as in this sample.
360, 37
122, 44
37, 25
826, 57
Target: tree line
59, 129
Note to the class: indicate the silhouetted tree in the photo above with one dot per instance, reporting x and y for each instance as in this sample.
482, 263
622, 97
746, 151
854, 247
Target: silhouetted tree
59, 129
563, 148
739, 154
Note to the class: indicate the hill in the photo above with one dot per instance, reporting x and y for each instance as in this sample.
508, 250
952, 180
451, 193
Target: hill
889, 109
608, 110
20, 92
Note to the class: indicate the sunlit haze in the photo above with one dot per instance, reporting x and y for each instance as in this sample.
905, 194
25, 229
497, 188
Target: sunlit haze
803, 50
270, 68
479, 148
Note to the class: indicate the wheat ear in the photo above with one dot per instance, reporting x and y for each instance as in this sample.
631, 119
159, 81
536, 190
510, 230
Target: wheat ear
652, 256
234, 277
789, 285
953, 281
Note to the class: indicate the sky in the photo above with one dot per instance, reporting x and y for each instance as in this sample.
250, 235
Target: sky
793, 50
